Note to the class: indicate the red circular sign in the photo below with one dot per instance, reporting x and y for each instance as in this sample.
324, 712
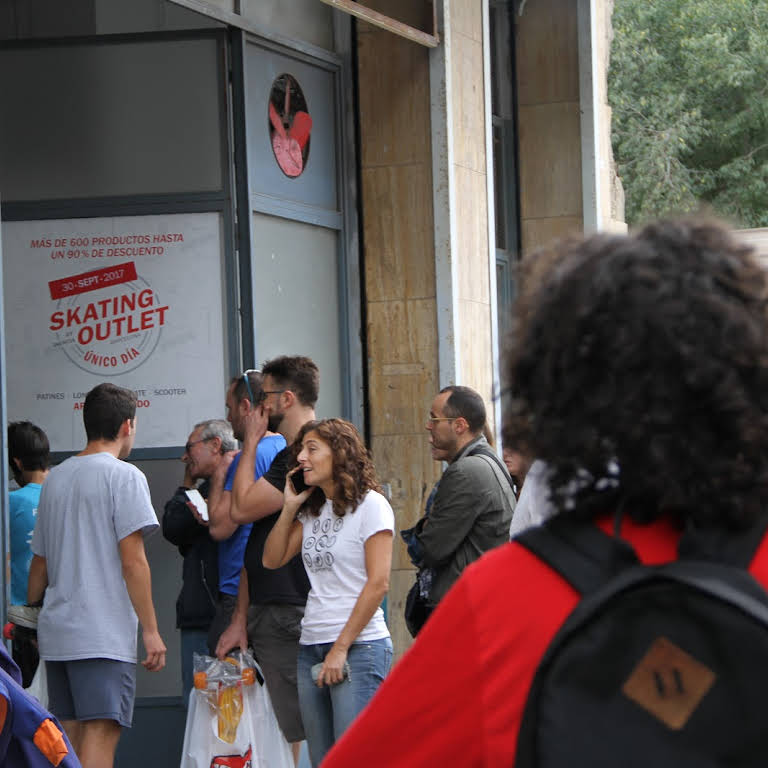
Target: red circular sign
290, 125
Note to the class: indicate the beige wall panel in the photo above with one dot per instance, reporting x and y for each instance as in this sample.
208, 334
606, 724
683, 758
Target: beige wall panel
539, 232
467, 18
475, 352
399, 584
402, 348
468, 103
405, 463
399, 401
395, 123
404, 335
399, 258
398, 232
472, 235
547, 52
550, 161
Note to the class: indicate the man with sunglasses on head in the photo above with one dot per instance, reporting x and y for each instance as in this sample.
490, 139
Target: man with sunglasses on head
210, 445
242, 392
271, 603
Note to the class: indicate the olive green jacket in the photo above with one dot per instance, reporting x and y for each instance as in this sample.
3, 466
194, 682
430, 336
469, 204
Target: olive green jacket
470, 514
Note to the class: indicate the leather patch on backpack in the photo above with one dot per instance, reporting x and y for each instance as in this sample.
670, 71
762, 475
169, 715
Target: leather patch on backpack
668, 683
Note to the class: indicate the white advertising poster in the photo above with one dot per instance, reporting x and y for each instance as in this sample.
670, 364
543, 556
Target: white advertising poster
134, 300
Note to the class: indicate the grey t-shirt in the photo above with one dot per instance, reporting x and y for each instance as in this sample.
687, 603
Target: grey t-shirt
88, 504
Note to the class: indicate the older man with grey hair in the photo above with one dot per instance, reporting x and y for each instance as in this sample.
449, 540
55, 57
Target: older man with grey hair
210, 444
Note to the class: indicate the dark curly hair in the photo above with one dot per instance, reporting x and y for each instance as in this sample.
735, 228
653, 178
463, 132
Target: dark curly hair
353, 471
638, 371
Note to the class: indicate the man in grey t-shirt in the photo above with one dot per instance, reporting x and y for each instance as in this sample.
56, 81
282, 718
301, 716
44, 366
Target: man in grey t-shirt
90, 566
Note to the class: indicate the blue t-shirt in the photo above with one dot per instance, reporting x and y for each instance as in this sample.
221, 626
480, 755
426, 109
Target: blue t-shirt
23, 512
232, 550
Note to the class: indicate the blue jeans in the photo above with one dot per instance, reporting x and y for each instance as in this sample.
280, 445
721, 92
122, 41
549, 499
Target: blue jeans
192, 641
328, 711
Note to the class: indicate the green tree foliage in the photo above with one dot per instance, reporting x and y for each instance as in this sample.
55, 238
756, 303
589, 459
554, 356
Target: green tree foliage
688, 84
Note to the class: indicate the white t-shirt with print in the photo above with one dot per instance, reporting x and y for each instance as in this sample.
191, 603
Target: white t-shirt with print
333, 551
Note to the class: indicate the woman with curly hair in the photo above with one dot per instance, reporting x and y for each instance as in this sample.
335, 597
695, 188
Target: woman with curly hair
343, 527
638, 374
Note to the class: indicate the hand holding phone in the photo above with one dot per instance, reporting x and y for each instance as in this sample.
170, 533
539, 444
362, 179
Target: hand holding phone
199, 502
297, 480
315, 672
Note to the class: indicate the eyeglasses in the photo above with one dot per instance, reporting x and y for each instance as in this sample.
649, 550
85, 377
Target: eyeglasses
435, 419
195, 442
248, 385
266, 392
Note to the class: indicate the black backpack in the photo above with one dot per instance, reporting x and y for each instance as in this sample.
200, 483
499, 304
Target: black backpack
657, 665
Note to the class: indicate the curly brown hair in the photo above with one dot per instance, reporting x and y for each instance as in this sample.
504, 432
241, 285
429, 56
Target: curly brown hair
638, 371
353, 471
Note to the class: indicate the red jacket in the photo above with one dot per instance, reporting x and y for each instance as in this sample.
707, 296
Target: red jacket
457, 697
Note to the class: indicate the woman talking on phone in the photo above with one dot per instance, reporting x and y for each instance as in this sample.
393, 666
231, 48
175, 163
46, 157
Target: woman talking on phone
334, 514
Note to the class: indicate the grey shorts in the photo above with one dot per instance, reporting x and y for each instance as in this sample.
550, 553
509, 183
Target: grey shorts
92, 689
273, 633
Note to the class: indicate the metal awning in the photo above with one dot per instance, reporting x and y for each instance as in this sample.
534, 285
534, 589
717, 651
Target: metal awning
431, 40
363, 12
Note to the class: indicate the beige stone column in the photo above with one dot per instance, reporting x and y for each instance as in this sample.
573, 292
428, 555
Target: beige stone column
464, 258
549, 121
399, 262
428, 277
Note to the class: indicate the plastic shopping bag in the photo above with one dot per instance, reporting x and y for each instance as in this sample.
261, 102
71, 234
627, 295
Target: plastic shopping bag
39, 685
230, 719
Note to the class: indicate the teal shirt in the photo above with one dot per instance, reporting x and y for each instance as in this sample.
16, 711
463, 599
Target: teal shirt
23, 512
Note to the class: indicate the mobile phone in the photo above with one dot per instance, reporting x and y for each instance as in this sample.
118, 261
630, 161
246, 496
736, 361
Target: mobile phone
200, 504
315, 672
297, 480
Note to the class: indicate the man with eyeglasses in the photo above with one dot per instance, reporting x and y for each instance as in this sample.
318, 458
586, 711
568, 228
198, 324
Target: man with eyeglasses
210, 446
271, 603
470, 509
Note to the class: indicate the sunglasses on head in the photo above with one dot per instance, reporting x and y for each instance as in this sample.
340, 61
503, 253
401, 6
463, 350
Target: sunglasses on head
248, 386
262, 393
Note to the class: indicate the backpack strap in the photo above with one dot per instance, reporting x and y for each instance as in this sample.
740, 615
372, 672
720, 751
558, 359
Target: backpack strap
584, 555
487, 453
587, 557
507, 487
503, 478
730, 547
